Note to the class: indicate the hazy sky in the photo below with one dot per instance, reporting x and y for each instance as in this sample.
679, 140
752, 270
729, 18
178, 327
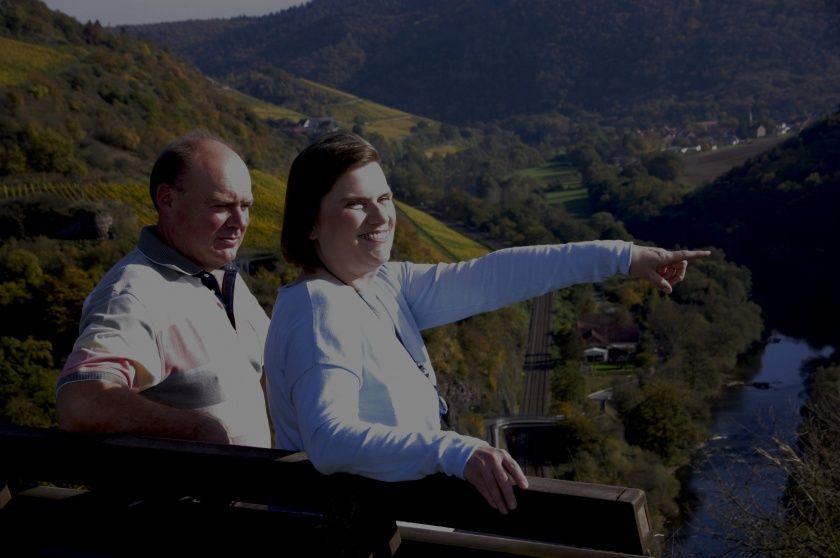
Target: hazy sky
118, 12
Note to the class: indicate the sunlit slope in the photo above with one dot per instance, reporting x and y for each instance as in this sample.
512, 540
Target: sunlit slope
19, 60
348, 111
455, 245
429, 239
263, 109
263, 233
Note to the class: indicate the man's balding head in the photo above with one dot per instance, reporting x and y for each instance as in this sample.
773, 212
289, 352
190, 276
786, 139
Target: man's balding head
177, 158
202, 192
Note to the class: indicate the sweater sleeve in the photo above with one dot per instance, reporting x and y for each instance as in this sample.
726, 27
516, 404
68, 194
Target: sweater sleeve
326, 400
444, 293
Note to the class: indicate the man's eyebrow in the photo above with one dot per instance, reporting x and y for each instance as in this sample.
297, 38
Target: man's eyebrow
228, 198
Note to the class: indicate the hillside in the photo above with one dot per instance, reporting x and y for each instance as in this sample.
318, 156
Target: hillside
83, 112
277, 95
707, 165
776, 214
634, 62
81, 103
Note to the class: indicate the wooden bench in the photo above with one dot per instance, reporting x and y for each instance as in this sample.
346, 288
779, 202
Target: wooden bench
127, 496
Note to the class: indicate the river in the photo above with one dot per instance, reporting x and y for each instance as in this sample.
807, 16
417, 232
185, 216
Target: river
744, 419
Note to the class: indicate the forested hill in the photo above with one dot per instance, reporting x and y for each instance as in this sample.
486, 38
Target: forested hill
777, 214
83, 112
78, 101
638, 62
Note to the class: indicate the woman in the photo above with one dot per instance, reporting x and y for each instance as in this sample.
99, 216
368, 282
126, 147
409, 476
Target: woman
349, 378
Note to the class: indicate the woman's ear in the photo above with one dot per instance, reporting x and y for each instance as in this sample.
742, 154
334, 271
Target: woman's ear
314, 234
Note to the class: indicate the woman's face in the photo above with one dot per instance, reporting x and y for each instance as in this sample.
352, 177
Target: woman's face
355, 228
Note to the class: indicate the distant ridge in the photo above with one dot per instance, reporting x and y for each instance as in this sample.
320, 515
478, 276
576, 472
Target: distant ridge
776, 214
633, 62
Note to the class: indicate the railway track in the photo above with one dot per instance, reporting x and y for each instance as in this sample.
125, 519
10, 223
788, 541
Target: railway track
538, 359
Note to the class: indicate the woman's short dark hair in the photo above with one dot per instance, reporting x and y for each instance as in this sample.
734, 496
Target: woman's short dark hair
314, 172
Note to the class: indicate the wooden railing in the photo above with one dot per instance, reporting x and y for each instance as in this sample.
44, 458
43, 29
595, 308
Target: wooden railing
120, 495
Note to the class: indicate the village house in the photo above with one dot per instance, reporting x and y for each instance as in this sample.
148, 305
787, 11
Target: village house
607, 337
314, 127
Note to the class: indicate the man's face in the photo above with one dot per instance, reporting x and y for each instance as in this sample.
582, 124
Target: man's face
206, 217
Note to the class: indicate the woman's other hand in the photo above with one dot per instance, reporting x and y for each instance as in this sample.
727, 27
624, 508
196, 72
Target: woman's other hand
494, 472
663, 268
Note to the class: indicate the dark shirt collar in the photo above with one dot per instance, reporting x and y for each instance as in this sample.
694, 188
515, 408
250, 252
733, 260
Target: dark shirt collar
162, 254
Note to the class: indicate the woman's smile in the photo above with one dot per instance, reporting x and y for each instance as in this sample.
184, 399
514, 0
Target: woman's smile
355, 227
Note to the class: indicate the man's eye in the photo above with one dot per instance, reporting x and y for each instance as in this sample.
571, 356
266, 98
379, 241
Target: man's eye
355, 205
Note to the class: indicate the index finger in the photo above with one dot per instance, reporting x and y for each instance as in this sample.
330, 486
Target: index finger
680, 255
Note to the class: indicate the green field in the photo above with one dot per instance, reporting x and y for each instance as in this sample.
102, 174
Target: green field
603, 376
443, 150
561, 172
20, 59
564, 183
455, 245
575, 201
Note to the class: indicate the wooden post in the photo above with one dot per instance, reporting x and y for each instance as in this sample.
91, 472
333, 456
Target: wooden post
5, 495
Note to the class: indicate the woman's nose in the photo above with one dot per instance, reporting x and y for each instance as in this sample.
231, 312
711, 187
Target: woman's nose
377, 213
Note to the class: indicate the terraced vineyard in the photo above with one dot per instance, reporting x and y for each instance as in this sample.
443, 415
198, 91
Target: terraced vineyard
453, 244
20, 59
263, 234
266, 215
263, 109
391, 123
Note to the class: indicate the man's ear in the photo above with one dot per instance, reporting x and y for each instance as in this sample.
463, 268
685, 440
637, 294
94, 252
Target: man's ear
314, 234
164, 195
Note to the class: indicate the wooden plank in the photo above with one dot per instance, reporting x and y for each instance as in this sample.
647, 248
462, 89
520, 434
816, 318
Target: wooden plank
606, 518
56, 493
561, 512
431, 535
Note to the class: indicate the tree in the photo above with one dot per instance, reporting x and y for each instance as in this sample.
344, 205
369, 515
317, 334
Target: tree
666, 166
27, 382
659, 419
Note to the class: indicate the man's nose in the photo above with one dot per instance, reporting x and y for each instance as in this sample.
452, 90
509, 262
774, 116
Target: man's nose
239, 217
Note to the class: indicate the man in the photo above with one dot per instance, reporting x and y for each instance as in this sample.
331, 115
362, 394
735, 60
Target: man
171, 341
